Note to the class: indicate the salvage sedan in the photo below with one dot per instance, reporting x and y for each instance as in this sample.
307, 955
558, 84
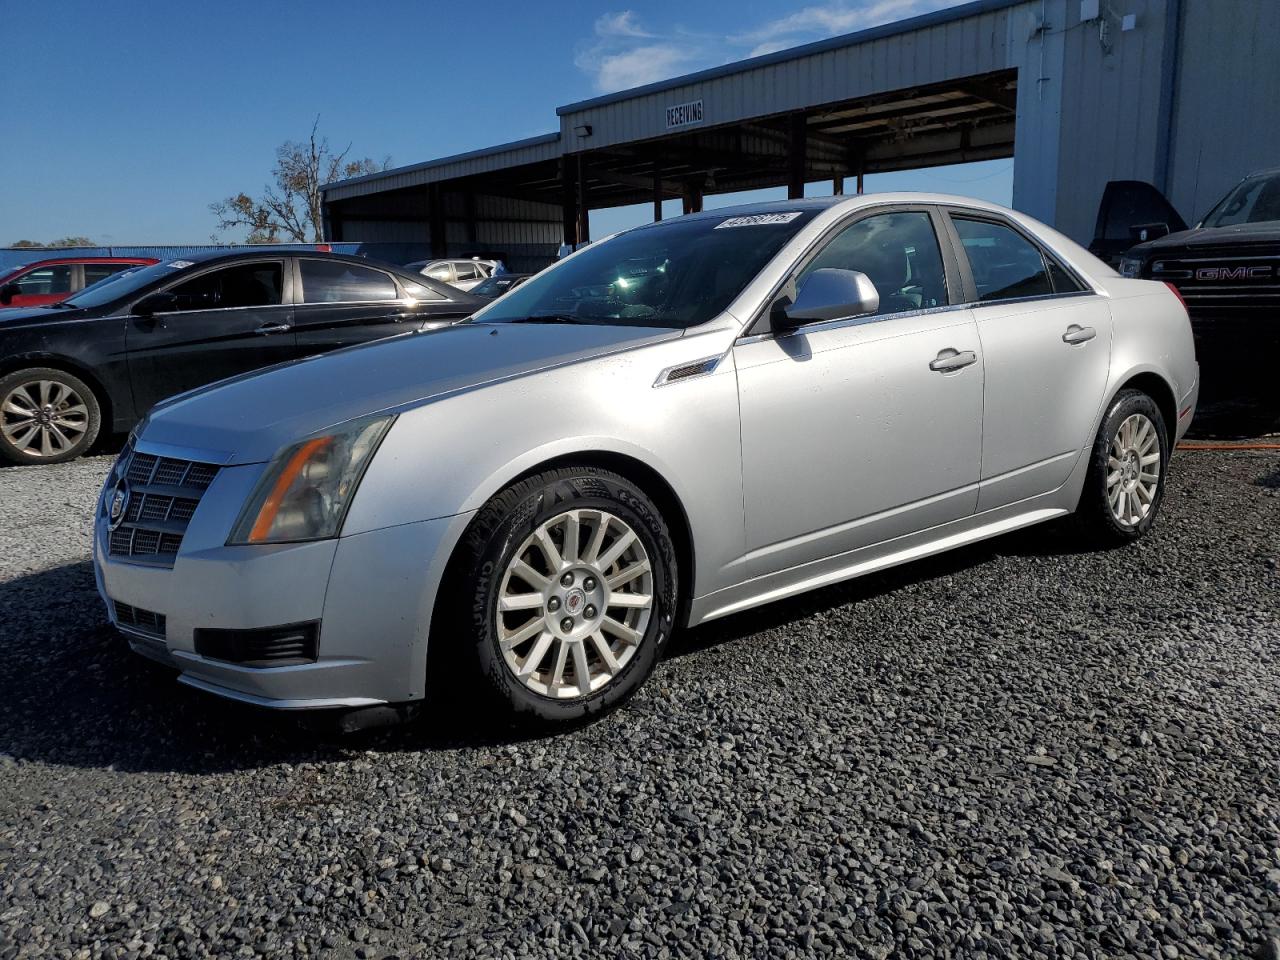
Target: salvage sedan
680, 422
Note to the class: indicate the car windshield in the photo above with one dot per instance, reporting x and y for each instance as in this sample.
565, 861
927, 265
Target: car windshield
124, 284
1253, 200
679, 274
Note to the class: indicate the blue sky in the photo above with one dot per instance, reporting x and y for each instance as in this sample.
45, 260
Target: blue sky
125, 120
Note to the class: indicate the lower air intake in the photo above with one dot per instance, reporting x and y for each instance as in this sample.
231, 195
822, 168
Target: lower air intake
267, 647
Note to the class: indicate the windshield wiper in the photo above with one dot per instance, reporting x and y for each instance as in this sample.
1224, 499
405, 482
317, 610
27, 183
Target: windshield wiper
61, 305
549, 318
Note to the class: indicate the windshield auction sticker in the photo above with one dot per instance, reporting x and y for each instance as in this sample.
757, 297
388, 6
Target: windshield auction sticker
758, 219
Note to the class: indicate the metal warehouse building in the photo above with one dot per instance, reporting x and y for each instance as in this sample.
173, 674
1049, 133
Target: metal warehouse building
1184, 94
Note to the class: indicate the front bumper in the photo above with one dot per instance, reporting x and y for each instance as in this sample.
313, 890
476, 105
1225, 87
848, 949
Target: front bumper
372, 593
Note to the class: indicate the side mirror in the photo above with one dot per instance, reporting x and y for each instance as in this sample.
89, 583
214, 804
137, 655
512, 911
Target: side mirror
8, 292
828, 294
155, 303
1142, 232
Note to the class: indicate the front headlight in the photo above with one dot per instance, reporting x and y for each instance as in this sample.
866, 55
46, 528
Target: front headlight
305, 492
1130, 266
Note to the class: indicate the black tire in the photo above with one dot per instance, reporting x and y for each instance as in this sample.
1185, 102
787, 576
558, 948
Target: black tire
464, 641
14, 450
1094, 516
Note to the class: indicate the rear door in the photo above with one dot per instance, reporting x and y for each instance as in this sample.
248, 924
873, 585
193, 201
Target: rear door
1046, 345
342, 303
228, 320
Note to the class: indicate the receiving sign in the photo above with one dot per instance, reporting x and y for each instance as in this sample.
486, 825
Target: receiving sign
684, 115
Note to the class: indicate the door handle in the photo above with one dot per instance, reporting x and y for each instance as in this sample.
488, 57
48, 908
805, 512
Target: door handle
949, 360
269, 328
1078, 334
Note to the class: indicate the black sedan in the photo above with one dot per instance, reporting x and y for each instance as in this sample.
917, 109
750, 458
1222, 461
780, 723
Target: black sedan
100, 360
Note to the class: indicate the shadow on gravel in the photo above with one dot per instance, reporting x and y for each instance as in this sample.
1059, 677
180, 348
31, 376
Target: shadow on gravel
73, 694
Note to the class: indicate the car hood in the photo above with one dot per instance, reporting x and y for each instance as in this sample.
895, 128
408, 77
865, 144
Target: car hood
1242, 234
248, 419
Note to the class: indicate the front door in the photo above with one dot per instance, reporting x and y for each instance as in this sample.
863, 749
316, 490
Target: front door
858, 431
226, 321
1046, 337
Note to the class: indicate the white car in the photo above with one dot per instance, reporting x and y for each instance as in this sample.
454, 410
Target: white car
463, 274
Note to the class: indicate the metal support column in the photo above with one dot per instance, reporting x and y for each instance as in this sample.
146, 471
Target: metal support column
435, 214
584, 219
657, 190
569, 199
797, 145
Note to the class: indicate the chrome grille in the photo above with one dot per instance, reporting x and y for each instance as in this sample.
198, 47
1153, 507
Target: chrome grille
1225, 281
163, 495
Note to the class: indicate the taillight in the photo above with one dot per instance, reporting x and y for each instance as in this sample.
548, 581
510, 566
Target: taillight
1177, 293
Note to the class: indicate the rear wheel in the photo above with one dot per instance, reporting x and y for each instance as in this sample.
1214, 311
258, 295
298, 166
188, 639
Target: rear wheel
46, 416
565, 592
1125, 484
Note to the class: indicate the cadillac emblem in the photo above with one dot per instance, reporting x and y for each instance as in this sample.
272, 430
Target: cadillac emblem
119, 504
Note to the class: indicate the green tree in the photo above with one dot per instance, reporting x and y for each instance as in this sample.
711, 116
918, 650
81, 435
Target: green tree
64, 242
289, 209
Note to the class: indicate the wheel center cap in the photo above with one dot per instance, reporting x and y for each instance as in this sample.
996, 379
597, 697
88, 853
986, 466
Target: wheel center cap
574, 601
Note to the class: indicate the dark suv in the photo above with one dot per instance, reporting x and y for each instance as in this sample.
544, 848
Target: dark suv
107, 355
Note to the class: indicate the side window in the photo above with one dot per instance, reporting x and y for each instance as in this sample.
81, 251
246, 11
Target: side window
1063, 282
334, 281
898, 251
244, 285
465, 271
93, 272
1005, 264
420, 291
442, 272
45, 280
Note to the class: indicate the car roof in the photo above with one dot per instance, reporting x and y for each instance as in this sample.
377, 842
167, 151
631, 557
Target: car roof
54, 261
821, 204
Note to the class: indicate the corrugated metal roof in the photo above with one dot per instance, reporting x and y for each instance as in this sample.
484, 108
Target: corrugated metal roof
937, 18
515, 153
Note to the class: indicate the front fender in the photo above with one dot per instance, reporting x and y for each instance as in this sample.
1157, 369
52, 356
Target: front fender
451, 456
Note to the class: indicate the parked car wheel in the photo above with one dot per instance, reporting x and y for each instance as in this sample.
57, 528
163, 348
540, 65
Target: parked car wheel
567, 590
1127, 471
46, 416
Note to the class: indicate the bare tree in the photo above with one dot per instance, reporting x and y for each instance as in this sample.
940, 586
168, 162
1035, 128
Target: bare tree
289, 209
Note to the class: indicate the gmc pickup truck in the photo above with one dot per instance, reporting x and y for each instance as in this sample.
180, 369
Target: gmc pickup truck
1226, 269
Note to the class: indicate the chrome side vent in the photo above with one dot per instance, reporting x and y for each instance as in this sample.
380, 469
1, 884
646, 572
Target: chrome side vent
684, 371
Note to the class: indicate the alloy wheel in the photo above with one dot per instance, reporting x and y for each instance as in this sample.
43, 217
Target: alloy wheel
43, 418
574, 603
1133, 470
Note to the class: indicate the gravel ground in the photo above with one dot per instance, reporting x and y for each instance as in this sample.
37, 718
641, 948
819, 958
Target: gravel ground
1015, 750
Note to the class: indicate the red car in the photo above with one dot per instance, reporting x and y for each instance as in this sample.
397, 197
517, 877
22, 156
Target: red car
48, 281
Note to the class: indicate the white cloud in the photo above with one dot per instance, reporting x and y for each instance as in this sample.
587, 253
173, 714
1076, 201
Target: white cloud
620, 24
829, 20
634, 68
623, 52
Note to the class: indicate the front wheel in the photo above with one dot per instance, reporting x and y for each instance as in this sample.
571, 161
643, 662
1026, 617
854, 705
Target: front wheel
46, 416
1125, 484
565, 587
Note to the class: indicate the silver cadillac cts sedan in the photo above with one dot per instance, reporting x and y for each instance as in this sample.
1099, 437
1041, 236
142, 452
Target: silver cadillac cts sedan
679, 422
